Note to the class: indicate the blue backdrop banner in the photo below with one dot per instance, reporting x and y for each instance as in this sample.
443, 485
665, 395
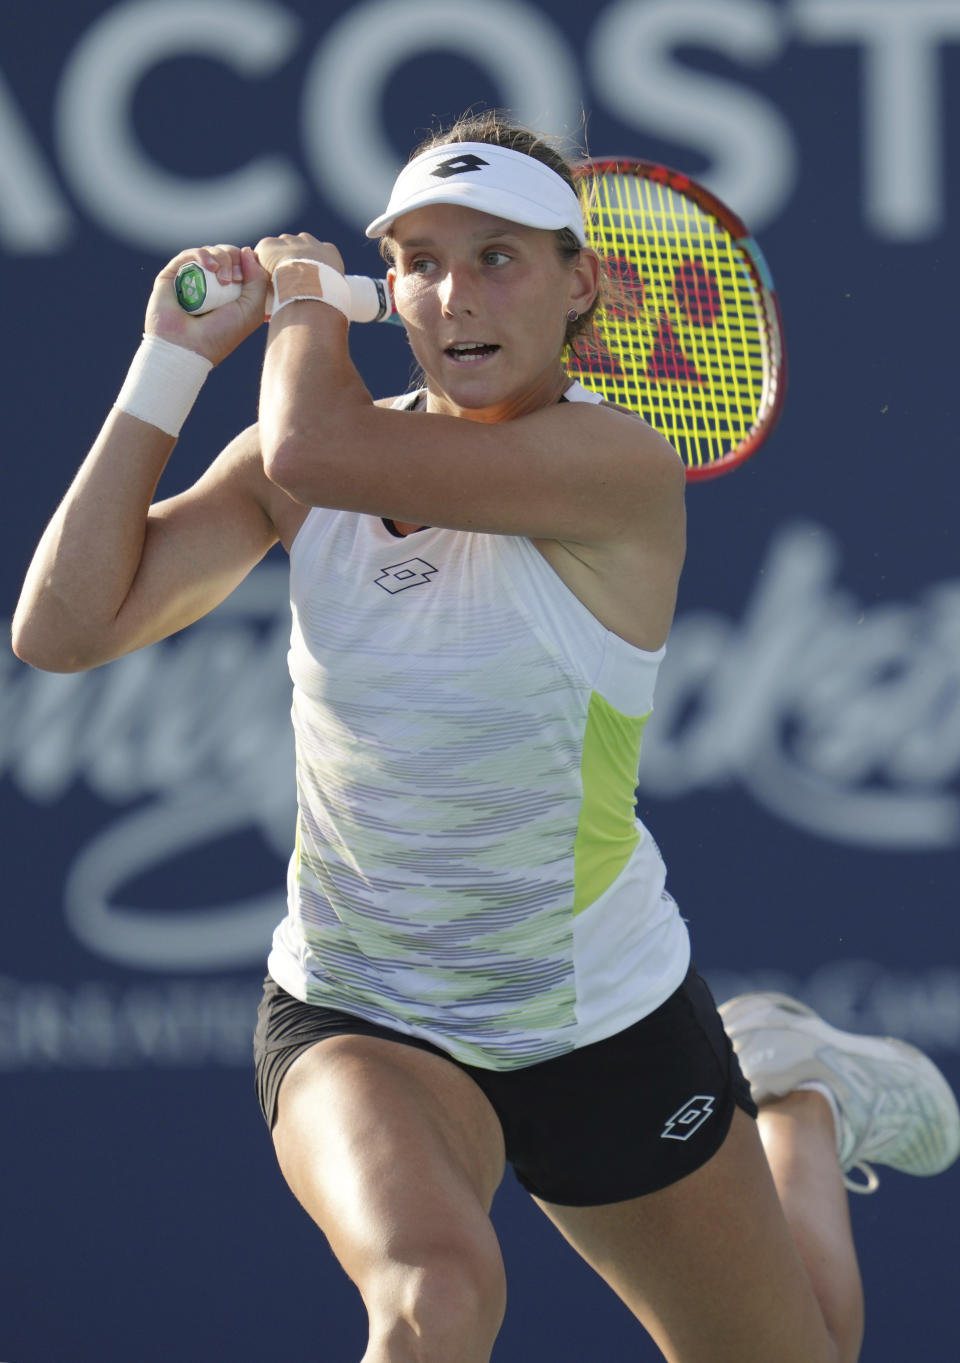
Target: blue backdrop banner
802, 770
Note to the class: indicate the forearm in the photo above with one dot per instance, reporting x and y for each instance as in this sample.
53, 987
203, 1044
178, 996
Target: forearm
96, 546
308, 384
89, 555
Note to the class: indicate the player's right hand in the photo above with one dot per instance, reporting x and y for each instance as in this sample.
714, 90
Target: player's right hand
214, 334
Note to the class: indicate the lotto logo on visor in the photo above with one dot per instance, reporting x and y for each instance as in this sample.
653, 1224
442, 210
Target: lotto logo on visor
490, 179
458, 165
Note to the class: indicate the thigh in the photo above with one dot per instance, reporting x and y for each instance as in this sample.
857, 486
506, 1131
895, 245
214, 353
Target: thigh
626, 1116
708, 1265
393, 1150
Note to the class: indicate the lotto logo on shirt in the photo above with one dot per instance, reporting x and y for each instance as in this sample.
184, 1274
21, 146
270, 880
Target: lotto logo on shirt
412, 572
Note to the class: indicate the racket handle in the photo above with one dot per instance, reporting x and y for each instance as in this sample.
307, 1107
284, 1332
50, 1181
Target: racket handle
199, 291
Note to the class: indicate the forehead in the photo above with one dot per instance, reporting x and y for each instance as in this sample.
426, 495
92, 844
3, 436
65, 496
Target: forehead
446, 223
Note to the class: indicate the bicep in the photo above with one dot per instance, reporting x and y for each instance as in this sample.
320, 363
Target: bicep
198, 546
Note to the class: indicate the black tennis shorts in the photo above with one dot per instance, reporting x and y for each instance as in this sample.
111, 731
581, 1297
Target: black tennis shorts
610, 1121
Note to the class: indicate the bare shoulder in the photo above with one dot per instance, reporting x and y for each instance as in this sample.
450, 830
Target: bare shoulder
623, 448
660, 465
628, 577
641, 436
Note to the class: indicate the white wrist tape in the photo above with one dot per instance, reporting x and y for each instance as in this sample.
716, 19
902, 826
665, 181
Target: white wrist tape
162, 383
296, 281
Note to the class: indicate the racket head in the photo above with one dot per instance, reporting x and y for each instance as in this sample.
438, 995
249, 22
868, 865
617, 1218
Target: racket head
690, 334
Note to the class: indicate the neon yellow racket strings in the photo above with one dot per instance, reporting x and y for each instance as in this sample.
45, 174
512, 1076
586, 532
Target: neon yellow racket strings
682, 338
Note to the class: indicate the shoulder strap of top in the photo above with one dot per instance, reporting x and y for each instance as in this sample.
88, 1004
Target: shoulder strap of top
577, 393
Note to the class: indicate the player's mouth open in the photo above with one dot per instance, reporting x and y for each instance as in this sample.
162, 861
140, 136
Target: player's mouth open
466, 351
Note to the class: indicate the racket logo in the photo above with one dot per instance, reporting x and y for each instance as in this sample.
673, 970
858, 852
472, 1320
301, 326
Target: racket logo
697, 292
458, 165
689, 1118
190, 286
669, 362
412, 572
691, 293
629, 301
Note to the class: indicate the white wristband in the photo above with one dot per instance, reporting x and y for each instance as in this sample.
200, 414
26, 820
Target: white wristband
310, 280
162, 383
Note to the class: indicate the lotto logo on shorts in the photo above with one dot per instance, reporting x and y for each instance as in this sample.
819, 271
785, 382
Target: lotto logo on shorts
689, 1118
412, 572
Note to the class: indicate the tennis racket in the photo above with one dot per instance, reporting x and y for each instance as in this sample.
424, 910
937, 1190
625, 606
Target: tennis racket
689, 334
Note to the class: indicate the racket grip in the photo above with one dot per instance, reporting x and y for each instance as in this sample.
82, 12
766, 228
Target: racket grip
199, 291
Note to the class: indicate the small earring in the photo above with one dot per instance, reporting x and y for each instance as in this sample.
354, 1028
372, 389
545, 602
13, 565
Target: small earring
572, 315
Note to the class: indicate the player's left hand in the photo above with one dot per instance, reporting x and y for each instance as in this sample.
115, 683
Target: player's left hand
273, 251
214, 334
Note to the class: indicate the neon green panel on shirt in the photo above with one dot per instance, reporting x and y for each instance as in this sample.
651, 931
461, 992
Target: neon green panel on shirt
607, 829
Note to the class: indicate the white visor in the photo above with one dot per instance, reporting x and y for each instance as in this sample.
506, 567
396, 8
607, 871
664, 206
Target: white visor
508, 184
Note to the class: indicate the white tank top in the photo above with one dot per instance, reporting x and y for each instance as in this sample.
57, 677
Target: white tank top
468, 865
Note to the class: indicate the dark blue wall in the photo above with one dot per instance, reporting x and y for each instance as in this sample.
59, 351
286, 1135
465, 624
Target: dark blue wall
801, 774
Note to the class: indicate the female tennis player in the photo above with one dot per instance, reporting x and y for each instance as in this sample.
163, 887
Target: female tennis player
480, 962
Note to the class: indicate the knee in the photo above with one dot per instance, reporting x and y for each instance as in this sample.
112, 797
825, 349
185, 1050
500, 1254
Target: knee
434, 1306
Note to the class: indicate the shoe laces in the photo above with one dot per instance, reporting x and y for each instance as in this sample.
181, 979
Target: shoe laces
870, 1182
849, 1146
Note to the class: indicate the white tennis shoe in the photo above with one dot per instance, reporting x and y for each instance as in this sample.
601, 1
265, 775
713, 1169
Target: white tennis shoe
892, 1104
